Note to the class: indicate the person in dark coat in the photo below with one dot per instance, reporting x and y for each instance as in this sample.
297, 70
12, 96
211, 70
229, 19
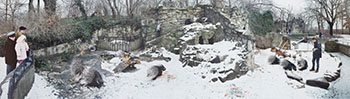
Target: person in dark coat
316, 54
10, 55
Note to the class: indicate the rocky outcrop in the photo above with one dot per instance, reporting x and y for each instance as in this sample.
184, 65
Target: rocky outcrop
86, 76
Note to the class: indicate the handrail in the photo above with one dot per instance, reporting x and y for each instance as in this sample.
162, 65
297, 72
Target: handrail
19, 72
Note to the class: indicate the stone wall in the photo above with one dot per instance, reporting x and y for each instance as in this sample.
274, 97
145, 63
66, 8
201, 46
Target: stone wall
345, 49
75, 46
125, 38
332, 46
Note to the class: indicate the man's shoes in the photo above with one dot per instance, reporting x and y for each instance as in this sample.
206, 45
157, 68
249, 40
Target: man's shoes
312, 69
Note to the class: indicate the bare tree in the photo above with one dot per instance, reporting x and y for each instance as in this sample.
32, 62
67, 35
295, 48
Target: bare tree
132, 6
118, 8
217, 3
328, 10
50, 7
38, 6
6, 9
81, 8
30, 7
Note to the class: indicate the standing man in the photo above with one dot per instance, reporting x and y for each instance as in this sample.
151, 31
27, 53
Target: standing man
10, 55
316, 54
21, 45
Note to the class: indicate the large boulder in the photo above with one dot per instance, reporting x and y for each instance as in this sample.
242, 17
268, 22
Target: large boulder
287, 65
86, 76
273, 60
91, 78
155, 71
302, 64
318, 82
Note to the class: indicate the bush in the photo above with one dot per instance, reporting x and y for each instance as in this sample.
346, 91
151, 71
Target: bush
331, 46
261, 24
74, 29
2, 45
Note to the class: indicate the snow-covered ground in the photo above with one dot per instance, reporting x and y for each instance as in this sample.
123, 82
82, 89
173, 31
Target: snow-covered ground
270, 81
265, 82
40, 90
345, 40
178, 82
341, 87
3, 68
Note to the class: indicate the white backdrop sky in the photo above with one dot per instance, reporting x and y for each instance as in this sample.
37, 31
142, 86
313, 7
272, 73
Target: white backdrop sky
297, 6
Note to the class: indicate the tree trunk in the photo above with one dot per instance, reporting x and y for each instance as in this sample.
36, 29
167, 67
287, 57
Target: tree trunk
111, 7
331, 24
81, 8
6, 9
50, 7
38, 6
116, 7
31, 6
105, 10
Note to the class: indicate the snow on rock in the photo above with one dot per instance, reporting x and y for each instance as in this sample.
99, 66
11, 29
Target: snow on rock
191, 30
226, 55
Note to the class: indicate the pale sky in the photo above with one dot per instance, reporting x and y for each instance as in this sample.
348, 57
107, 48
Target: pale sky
297, 6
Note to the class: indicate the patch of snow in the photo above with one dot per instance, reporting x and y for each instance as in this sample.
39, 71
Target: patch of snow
195, 27
3, 68
41, 89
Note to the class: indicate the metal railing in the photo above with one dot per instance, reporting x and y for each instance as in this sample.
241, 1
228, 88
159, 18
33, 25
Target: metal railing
18, 74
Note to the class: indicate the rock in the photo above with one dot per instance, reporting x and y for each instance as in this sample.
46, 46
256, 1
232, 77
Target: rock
189, 21
193, 63
332, 76
273, 60
215, 60
155, 71
90, 60
230, 76
92, 78
87, 76
319, 82
302, 64
287, 65
293, 76
263, 43
202, 20
214, 79
57, 68
241, 67
177, 51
